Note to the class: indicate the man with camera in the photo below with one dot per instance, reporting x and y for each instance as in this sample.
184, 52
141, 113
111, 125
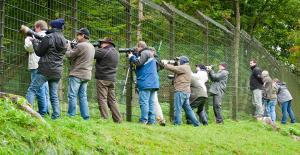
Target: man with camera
51, 51
81, 63
182, 82
217, 89
147, 81
107, 59
42, 95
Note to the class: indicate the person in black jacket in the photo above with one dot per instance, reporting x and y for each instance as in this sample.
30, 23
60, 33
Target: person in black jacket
107, 60
256, 84
51, 51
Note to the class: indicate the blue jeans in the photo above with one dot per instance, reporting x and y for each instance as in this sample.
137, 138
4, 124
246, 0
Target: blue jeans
286, 107
181, 100
42, 95
270, 108
78, 88
36, 84
146, 100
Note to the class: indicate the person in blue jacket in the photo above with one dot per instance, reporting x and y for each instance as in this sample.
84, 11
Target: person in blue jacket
147, 81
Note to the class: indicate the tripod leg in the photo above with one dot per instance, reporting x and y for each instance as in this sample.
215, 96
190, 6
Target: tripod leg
127, 74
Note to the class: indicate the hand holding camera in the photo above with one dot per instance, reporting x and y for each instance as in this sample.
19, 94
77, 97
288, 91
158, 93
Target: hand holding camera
26, 30
209, 68
172, 62
164, 62
130, 55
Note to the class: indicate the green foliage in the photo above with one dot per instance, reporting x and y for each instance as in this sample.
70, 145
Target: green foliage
273, 22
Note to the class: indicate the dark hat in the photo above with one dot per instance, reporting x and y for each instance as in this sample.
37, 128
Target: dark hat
84, 31
107, 40
183, 59
201, 66
57, 23
224, 64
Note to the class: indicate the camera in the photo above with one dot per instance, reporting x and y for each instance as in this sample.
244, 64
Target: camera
26, 30
96, 44
209, 67
74, 43
127, 50
171, 76
173, 62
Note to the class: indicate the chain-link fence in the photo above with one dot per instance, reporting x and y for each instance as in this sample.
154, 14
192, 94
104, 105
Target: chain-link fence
170, 31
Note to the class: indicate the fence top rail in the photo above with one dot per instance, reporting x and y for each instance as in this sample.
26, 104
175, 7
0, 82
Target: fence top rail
156, 7
229, 25
182, 14
214, 22
124, 3
245, 34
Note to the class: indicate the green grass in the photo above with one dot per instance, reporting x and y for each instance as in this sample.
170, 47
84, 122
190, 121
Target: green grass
22, 134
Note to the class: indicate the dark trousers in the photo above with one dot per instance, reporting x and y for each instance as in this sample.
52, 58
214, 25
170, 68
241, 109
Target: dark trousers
217, 99
107, 100
199, 103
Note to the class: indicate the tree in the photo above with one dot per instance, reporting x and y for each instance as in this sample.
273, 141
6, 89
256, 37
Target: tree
273, 22
236, 46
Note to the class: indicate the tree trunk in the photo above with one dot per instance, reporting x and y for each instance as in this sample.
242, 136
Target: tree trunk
140, 18
236, 45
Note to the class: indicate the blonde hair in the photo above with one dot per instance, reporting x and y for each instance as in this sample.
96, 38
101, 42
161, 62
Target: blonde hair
42, 24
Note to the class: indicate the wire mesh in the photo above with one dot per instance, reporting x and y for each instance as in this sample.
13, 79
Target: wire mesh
108, 18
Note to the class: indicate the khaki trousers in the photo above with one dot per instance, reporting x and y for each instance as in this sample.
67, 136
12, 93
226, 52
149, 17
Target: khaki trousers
107, 99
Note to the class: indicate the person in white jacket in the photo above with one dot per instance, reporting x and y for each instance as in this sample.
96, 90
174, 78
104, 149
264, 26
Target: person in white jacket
157, 108
40, 27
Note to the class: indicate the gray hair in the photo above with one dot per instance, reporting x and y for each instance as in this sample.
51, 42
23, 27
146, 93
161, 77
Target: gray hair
142, 44
265, 73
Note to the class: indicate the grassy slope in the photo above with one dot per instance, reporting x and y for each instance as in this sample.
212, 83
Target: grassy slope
22, 134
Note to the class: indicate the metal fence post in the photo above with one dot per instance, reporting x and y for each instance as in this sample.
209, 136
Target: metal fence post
74, 18
130, 78
206, 49
50, 8
171, 20
2, 15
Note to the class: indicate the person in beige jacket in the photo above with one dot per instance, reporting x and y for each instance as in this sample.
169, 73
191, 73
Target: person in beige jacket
182, 82
269, 96
81, 62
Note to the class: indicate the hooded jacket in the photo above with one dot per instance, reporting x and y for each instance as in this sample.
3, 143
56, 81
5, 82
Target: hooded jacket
146, 70
283, 94
51, 51
269, 89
